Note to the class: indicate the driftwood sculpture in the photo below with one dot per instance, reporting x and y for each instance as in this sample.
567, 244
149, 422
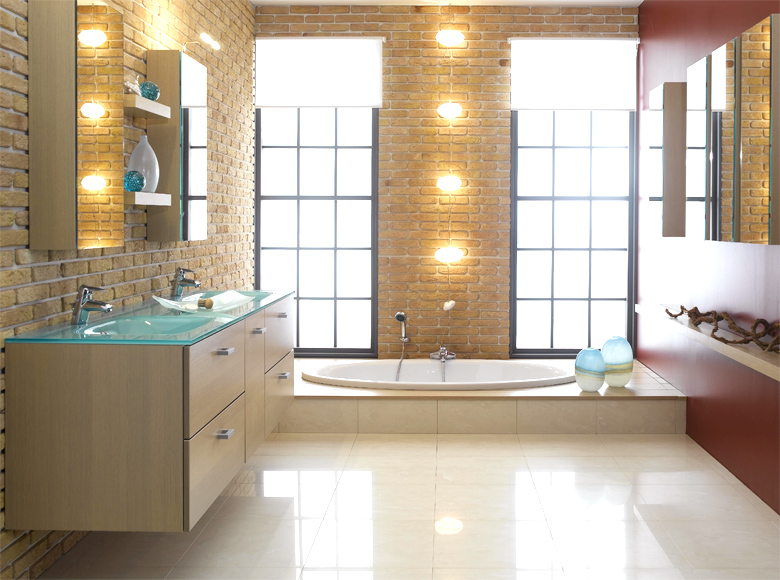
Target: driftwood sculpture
758, 330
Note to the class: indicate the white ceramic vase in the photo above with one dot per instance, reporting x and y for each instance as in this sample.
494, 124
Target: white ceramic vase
144, 161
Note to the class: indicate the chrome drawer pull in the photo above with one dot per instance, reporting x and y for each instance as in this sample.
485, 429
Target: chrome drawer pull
258, 330
284, 375
225, 433
226, 351
282, 315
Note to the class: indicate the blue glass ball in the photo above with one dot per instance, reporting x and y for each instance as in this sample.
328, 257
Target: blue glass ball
150, 91
589, 369
134, 181
618, 360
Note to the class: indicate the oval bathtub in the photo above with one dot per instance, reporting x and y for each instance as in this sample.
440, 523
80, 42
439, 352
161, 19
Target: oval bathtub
426, 375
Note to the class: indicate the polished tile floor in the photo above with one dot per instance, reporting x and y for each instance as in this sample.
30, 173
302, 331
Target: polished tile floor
461, 507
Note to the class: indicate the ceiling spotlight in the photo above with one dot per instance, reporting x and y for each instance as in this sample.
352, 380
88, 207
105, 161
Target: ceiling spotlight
450, 37
92, 110
449, 110
92, 37
449, 183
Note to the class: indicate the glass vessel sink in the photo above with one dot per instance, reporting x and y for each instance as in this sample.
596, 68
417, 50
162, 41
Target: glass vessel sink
146, 326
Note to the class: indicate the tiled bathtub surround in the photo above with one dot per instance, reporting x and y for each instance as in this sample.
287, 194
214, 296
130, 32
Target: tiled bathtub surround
532, 507
646, 405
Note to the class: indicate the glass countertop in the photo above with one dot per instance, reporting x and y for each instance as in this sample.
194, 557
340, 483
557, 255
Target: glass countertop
152, 323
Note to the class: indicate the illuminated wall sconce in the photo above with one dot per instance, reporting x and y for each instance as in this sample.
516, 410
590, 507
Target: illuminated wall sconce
210, 41
449, 183
449, 110
93, 183
92, 37
448, 255
92, 110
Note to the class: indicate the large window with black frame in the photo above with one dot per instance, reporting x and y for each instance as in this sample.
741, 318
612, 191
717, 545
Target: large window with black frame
316, 192
572, 191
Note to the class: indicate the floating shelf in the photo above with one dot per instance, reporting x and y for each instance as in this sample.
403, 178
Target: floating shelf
750, 355
144, 198
137, 106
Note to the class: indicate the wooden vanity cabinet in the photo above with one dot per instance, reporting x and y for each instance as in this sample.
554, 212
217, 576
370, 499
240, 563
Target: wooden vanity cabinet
131, 437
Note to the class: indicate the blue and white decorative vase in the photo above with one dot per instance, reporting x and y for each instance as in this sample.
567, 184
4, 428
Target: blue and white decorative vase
589, 369
144, 161
618, 360
150, 91
134, 181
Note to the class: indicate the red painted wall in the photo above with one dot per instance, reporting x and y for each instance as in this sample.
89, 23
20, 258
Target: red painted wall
733, 411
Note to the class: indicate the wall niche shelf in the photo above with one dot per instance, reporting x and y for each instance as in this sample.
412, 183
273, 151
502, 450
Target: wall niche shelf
750, 355
145, 198
137, 106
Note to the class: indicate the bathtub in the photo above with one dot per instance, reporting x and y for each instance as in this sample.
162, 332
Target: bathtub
459, 375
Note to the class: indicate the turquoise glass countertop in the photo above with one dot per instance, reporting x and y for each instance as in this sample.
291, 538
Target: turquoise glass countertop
151, 323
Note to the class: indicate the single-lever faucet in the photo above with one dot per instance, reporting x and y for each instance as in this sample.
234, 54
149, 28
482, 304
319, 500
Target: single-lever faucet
443, 354
180, 282
84, 304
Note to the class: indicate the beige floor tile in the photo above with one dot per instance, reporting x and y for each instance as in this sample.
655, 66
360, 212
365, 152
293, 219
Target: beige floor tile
592, 502
649, 445
358, 498
257, 506
562, 446
629, 574
334, 444
225, 573
484, 470
390, 445
571, 479
572, 464
395, 469
698, 502
459, 445
758, 503
496, 574
258, 464
570, 417
467, 416
739, 574
62, 571
489, 502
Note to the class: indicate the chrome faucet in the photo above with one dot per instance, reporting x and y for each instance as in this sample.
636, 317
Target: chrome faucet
401, 317
84, 304
443, 354
179, 282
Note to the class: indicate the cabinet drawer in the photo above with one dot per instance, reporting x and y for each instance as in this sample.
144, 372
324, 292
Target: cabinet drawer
280, 321
254, 387
213, 376
211, 460
278, 391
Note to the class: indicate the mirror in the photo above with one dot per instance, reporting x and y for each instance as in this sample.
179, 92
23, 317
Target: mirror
697, 142
194, 118
723, 90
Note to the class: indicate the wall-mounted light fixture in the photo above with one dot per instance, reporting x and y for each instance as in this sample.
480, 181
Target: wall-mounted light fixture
92, 37
93, 183
210, 41
92, 110
450, 38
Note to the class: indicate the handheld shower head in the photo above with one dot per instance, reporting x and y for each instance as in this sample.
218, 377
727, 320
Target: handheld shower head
400, 316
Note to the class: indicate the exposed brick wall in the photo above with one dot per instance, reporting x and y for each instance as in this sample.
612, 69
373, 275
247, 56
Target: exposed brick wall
36, 287
727, 152
414, 149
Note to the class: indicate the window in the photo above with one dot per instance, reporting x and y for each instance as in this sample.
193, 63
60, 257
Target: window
572, 191
317, 187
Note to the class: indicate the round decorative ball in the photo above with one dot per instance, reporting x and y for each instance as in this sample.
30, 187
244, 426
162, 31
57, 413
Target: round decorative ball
618, 361
134, 181
150, 91
589, 369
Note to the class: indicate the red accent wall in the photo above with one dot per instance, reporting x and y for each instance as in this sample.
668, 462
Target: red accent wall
733, 411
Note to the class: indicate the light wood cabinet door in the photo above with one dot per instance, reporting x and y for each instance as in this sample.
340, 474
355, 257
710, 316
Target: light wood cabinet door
278, 392
213, 376
211, 460
254, 381
280, 322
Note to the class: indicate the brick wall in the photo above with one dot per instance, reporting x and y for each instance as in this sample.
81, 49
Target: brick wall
727, 152
36, 287
414, 150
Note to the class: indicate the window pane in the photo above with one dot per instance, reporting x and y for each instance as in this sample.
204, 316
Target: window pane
278, 172
353, 275
694, 220
610, 172
315, 323
317, 224
533, 324
609, 274
198, 133
571, 275
355, 126
610, 128
198, 219
316, 274
610, 224
278, 269
278, 224
652, 174
318, 126
353, 229
354, 172
572, 224
607, 319
534, 271
572, 172
534, 172
534, 128
317, 170
652, 133
696, 129
278, 127
570, 324
353, 324
572, 128
696, 173
534, 224
198, 168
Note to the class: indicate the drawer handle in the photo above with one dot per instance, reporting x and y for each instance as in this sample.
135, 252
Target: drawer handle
227, 351
282, 315
225, 433
258, 330
284, 375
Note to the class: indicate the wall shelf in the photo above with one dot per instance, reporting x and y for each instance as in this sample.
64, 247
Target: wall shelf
750, 355
145, 198
137, 106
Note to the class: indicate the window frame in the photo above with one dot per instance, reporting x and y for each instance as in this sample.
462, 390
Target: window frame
373, 351
561, 353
